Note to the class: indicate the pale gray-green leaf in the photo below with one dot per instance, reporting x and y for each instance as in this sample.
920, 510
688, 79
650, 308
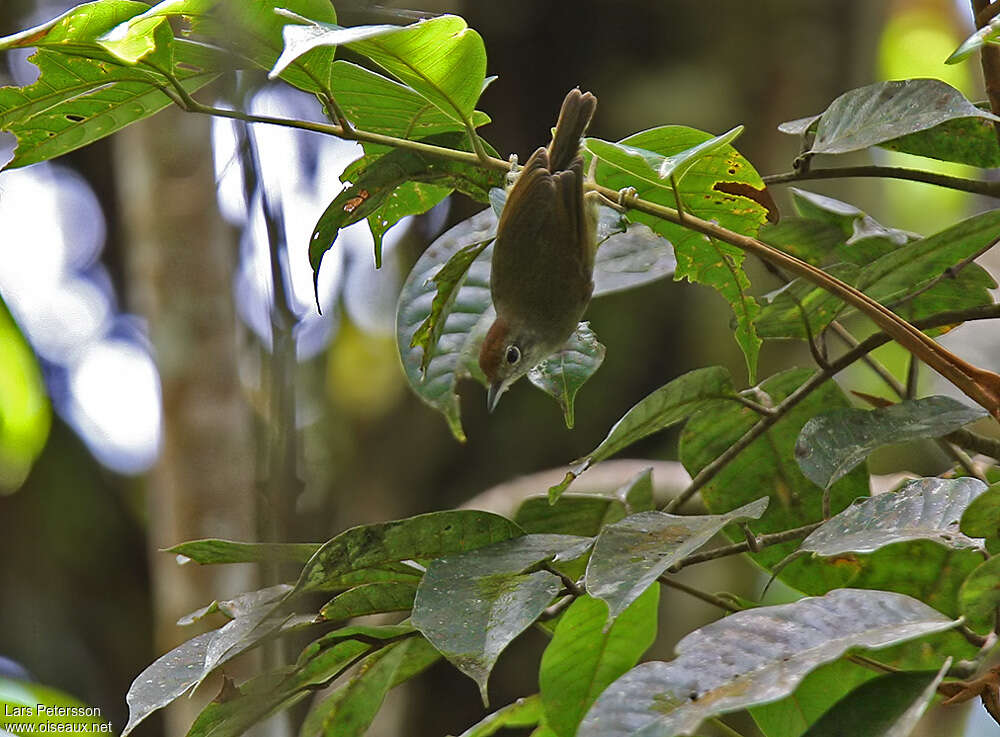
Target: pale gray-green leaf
833, 443
562, 374
753, 657
631, 554
924, 509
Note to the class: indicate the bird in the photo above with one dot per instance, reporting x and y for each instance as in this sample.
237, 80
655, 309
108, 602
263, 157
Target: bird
541, 277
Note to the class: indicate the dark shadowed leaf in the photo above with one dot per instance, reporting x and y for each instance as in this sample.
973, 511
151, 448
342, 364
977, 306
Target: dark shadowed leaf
925, 509
631, 554
526, 712
765, 468
212, 551
833, 443
572, 514
672, 403
563, 373
982, 518
472, 605
349, 711
584, 656
372, 598
888, 706
423, 537
971, 141
883, 111
753, 657
979, 596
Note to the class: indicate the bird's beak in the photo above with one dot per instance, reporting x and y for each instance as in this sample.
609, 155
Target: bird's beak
493, 396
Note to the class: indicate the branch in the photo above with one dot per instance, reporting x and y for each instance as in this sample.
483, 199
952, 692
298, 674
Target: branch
699, 594
952, 317
763, 541
975, 186
989, 57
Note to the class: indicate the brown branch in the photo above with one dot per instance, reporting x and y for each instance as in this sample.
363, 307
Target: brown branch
989, 57
962, 184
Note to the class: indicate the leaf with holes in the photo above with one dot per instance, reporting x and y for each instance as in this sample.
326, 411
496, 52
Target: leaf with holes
753, 657
631, 554
584, 656
563, 373
720, 185
672, 403
833, 443
924, 509
472, 605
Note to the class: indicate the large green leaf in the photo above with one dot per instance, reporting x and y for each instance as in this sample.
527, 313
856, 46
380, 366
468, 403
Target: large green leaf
78, 29
834, 442
424, 537
672, 403
884, 111
767, 468
442, 59
472, 605
982, 518
584, 656
924, 509
888, 706
25, 415
971, 141
77, 101
631, 554
710, 177
349, 711
753, 657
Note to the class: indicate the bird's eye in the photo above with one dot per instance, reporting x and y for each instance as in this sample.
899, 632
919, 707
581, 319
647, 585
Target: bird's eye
513, 354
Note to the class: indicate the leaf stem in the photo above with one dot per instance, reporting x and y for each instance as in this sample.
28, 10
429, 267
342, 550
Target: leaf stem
963, 184
763, 541
708, 598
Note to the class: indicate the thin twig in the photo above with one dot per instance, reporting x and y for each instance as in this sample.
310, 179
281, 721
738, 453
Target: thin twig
975, 186
698, 594
763, 541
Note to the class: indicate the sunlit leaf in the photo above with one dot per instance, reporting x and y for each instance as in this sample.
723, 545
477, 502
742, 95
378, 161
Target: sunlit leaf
834, 442
672, 403
753, 657
631, 554
472, 605
563, 373
78, 28
584, 656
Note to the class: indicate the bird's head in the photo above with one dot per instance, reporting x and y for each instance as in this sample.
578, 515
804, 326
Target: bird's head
507, 354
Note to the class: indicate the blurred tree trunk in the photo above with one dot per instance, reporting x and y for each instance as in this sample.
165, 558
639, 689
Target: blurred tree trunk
180, 258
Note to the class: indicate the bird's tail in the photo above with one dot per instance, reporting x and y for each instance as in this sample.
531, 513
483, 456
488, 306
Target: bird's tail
574, 117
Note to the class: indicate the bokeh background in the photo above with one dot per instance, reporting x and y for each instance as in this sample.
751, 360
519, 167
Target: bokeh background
144, 289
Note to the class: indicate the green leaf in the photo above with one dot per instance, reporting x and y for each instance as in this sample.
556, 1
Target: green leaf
377, 179
988, 34
583, 656
810, 239
753, 657
525, 712
572, 514
212, 551
887, 706
637, 492
833, 443
33, 708
979, 596
78, 28
982, 518
818, 691
146, 38
766, 468
442, 59
423, 537
672, 403
472, 605
867, 238
25, 415
970, 141
448, 282
563, 373
349, 711
372, 598
706, 191
924, 509
789, 309
378, 104
77, 101
631, 554
883, 111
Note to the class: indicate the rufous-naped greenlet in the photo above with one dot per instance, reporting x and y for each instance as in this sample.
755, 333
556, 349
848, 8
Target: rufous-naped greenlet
543, 258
